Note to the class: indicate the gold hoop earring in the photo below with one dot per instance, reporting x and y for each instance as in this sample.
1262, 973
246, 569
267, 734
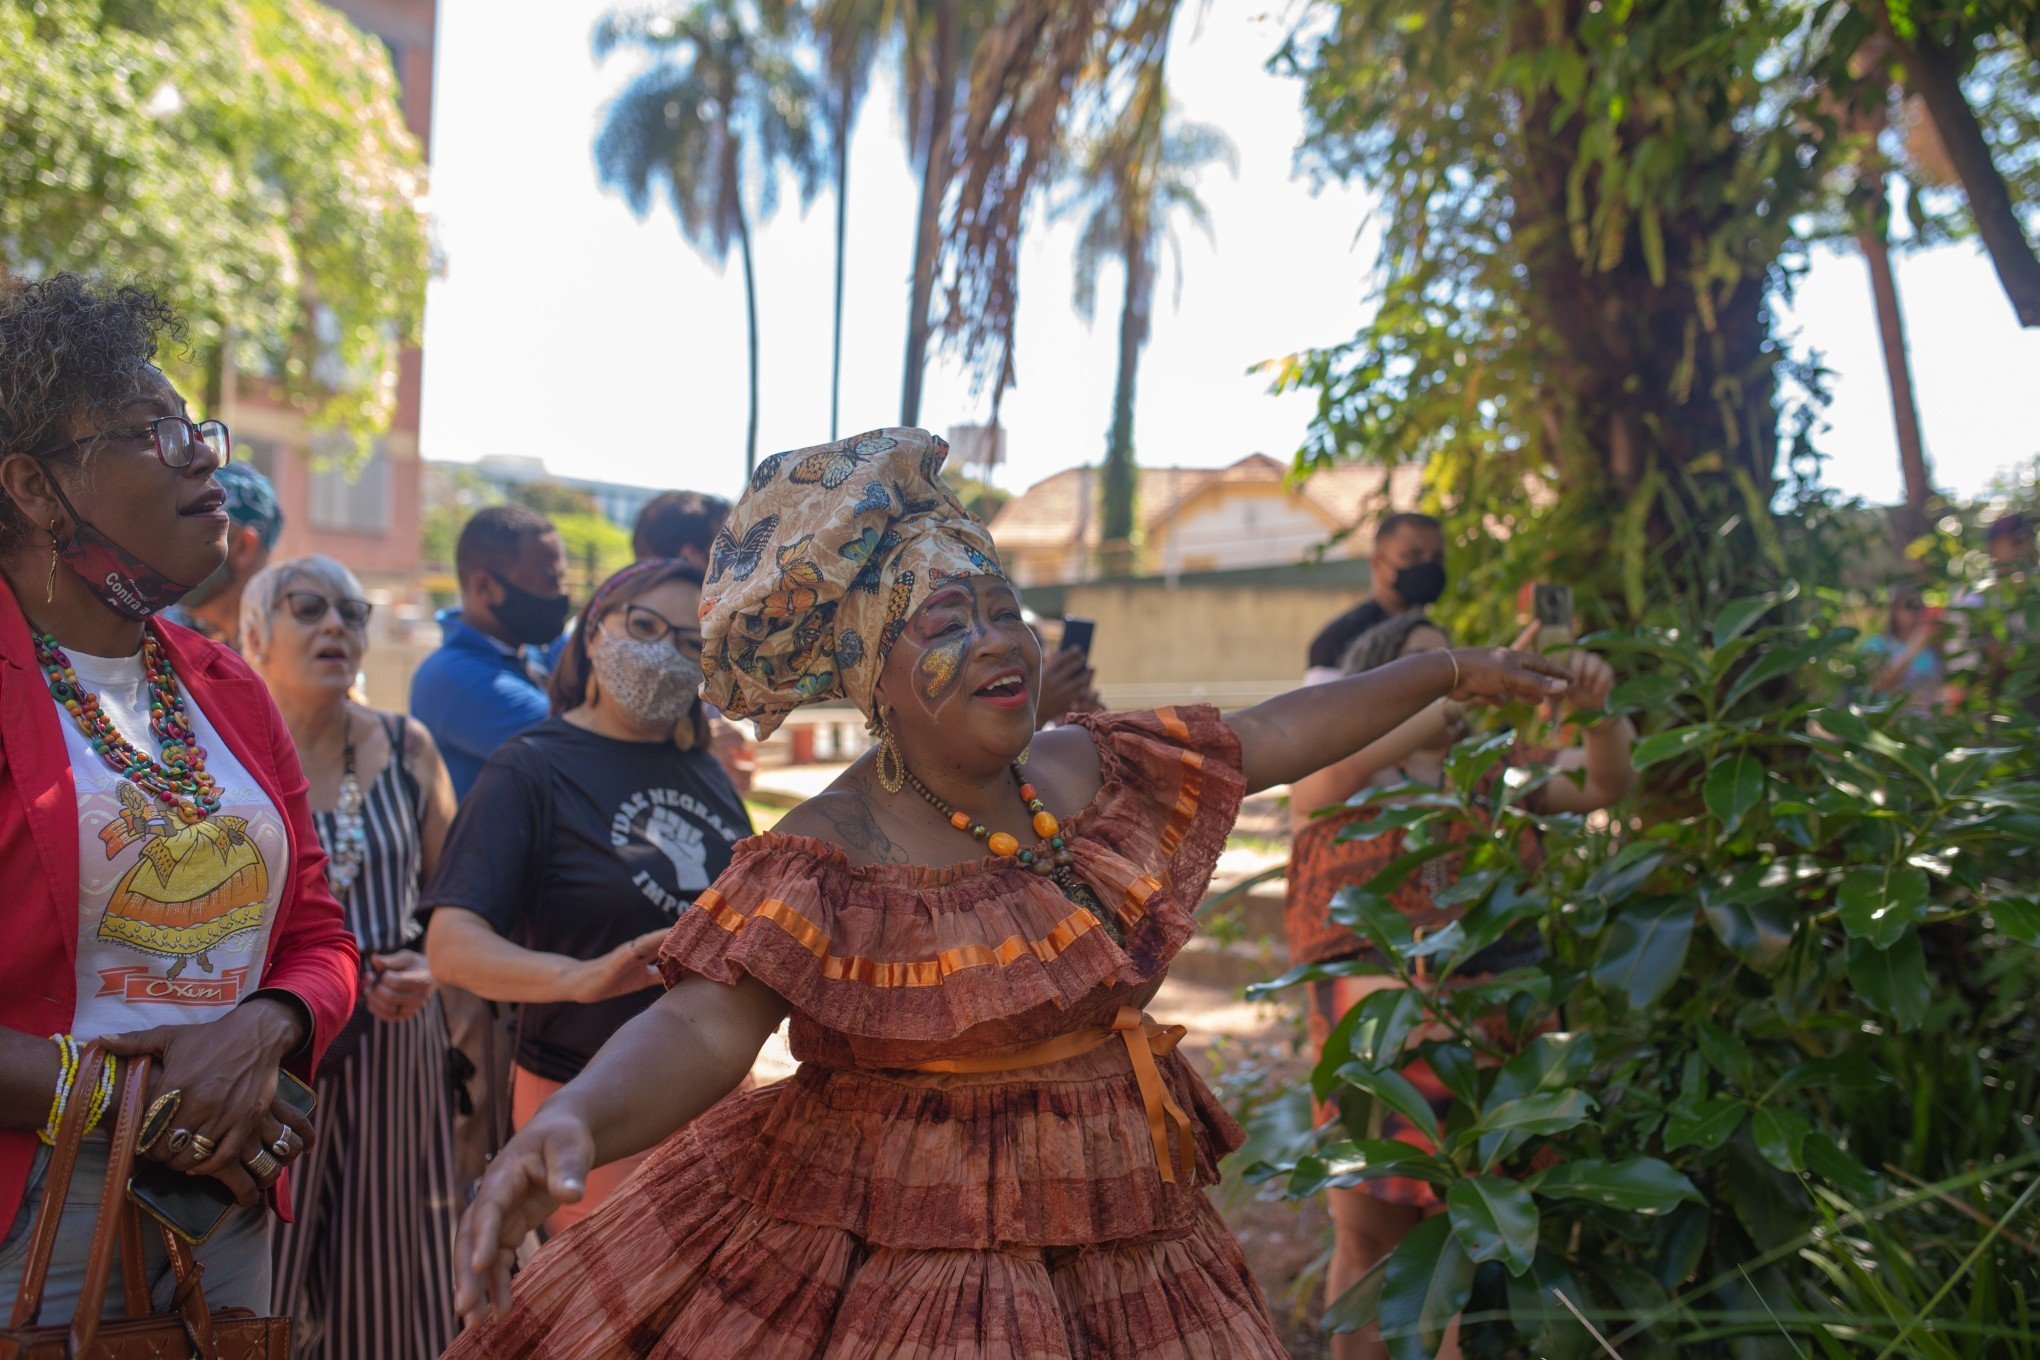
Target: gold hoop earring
50, 589
895, 779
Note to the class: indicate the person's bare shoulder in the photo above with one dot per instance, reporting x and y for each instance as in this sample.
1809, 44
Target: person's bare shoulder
842, 816
1064, 760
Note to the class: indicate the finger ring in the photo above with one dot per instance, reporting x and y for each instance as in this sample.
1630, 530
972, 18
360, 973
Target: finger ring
161, 1111
202, 1145
263, 1167
179, 1140
281, 1147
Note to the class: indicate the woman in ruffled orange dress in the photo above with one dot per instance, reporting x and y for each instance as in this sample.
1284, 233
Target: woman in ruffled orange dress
989, 1151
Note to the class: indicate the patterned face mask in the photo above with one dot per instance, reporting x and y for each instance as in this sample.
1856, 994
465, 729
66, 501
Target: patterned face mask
650, 681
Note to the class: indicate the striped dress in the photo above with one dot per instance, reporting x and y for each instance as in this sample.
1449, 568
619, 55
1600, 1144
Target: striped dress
365, 1273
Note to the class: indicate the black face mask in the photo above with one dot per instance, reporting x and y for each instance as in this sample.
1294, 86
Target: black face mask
531, 620
122, 581
1420, 583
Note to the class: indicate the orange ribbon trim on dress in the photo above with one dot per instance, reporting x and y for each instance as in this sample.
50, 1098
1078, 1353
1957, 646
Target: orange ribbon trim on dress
1145, 1041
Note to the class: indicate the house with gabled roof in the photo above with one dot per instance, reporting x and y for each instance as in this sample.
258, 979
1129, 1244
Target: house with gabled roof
1247, 514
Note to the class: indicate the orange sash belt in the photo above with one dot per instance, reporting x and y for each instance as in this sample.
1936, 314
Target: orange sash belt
1145, 1041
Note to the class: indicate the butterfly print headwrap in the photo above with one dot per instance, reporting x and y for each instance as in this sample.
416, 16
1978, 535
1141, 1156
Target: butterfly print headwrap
823, 561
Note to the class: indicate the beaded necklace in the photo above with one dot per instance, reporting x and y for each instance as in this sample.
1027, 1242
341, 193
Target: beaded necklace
350, 828
1050, 858
178, 778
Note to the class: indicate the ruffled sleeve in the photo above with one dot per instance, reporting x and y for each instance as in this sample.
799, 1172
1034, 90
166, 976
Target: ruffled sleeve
1170, 791
919, 954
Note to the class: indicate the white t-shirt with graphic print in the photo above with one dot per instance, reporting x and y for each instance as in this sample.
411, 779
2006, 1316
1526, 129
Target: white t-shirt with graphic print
173, 920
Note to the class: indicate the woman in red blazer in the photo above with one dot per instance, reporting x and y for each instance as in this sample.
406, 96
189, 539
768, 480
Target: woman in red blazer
164, 890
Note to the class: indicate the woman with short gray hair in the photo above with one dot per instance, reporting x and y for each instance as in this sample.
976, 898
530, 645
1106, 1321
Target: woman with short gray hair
364, 1271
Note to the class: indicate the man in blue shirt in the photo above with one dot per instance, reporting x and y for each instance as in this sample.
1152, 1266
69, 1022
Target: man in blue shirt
478, 690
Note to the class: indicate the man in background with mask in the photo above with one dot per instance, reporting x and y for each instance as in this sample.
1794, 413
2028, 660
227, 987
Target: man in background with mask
254, 523
1406, 570
479, 689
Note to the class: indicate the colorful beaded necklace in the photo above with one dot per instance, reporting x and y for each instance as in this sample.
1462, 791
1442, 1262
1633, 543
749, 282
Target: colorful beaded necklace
1050, 858
178, 778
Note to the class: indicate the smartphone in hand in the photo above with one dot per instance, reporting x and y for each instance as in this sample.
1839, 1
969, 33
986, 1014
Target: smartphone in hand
1077, 633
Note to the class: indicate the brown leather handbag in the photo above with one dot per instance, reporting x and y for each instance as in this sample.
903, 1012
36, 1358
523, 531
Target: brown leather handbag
191, 1332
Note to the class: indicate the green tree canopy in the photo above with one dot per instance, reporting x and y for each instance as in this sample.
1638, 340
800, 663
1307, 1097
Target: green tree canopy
245, 158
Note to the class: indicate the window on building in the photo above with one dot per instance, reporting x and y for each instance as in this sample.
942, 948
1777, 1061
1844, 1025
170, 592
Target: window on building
351, 501
259, 454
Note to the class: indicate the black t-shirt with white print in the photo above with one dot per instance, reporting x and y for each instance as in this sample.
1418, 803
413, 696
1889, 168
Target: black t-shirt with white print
573, 843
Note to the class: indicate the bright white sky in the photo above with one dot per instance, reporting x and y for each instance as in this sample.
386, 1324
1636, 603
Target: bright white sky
565, 329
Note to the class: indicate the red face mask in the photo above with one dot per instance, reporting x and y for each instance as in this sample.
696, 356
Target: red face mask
122, 581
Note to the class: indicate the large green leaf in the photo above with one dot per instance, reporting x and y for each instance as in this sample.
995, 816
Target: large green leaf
1360, 1305
1882, 904
1370, 915
1644, 949
1893, 980
1385, 1020
2018, 917
1455, 1065
1737, 616
1429, 1280
1551, 1062
1781, 1137
1755, 927
1496, 1220
1365, 1159
1662, 746
1393, 1089
1638, 1185
1646, 693
1278, 1130
1826, 1159
1707, 1124
1772, 664
1733, 787
1543, 1112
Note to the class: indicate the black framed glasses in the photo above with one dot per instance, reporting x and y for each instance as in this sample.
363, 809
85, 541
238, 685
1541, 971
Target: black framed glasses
309, 607
176, 439
644, 625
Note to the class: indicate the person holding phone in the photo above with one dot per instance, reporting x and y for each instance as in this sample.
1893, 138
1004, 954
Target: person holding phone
166, 891
363, 1273
1068, 684
1369, 1221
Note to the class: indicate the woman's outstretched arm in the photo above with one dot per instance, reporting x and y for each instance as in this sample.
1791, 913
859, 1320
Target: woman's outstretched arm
654, 1075
1306, 729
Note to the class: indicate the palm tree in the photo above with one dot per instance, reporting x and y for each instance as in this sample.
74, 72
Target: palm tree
710, 123
939, 39
1131, 188
847, 34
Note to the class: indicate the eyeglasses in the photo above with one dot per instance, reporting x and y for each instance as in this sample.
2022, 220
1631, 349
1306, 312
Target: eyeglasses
177, 440
309, 607
643, 625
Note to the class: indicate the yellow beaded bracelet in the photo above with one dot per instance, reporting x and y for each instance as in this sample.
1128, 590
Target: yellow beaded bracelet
67, 1073
102, 1094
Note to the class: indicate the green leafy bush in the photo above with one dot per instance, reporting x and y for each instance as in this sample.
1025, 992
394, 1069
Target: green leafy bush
1772, 1091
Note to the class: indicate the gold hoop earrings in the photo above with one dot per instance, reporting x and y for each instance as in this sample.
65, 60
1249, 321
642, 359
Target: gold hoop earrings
50, 589
895, 778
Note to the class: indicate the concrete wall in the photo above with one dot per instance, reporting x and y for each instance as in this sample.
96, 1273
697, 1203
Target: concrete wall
1228, 645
